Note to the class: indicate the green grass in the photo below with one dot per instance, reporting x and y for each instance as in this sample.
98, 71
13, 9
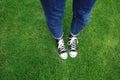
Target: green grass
28, 51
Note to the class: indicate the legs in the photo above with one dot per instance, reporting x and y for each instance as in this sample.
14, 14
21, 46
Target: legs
54, 11
81, 14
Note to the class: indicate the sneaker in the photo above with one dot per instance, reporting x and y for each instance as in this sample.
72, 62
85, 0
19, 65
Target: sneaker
61, 49
73, 42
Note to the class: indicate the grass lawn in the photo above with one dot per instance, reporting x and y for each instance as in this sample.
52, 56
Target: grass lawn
28, 51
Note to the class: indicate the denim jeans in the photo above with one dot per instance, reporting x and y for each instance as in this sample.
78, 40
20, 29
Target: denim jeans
54, 12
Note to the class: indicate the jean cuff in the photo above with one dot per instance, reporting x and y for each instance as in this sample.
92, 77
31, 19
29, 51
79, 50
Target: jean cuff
58, 37
74, 34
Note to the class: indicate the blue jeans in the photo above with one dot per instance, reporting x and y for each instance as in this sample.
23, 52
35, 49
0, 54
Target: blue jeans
54, 12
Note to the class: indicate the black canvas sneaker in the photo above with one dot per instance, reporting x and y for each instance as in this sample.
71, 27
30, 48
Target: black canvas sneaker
61, 49
73, 42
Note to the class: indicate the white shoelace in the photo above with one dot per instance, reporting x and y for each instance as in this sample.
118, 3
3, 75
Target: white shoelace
73, 42
61, 46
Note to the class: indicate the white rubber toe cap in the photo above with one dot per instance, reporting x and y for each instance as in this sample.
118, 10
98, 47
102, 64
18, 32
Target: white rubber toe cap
63, 55
73, 54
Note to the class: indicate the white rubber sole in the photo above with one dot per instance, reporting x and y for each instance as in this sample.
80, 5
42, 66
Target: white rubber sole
73, 54
63, 55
